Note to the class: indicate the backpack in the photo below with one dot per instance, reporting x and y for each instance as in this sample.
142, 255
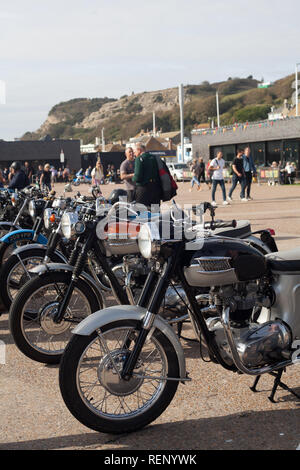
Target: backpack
168, 184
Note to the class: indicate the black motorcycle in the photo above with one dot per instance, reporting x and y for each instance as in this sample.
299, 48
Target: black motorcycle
123, 364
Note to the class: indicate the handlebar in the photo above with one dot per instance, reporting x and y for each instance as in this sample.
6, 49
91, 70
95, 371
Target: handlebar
220, 224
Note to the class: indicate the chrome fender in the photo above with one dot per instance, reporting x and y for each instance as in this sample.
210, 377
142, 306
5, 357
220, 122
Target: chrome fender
130, 312
62, 267
33, 246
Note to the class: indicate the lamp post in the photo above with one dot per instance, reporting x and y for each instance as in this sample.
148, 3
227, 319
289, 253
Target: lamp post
181, 102
296, 86
218, 111
62, 158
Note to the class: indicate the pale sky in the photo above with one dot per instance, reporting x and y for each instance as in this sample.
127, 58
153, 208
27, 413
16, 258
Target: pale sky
53, 51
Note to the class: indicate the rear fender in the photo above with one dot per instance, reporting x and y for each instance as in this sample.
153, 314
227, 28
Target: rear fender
130, 312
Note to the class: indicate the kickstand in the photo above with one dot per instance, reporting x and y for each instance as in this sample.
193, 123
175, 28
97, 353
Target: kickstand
253, 388
277, 383
179, 329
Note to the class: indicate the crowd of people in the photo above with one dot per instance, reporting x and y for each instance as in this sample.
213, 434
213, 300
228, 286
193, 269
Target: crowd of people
141, 178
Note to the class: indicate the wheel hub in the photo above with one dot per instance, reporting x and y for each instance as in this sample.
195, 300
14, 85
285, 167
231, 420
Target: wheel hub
109, 377
46, 318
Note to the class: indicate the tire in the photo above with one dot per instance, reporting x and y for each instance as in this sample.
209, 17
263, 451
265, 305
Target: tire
31, 325
6, 249
79, 401
10, 267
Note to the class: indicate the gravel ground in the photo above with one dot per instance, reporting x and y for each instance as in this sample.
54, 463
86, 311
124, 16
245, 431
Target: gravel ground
216, 410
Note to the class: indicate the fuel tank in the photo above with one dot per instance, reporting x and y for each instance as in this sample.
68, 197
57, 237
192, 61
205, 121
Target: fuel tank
219, 262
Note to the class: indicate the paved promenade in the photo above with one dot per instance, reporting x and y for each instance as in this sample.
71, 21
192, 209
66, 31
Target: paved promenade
215, 411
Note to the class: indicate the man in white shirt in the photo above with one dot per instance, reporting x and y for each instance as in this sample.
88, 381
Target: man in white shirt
217, 166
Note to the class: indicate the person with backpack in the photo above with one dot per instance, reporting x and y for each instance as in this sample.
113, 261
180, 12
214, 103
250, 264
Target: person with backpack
146, 177
17, 178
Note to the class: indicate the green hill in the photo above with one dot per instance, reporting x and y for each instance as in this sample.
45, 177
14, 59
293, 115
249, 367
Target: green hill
240, 100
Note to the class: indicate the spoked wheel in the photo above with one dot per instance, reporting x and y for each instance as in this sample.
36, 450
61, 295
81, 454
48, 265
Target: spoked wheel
32, 313
16, 271
95, 393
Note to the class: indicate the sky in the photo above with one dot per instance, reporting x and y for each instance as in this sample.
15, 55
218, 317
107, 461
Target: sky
54, 50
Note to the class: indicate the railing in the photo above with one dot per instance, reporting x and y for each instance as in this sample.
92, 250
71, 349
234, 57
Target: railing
243, 126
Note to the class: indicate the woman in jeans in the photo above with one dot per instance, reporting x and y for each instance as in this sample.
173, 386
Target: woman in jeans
195, 171
97, 174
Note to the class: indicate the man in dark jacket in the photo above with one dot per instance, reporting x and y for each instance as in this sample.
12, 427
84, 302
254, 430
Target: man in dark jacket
18, 179
146, 177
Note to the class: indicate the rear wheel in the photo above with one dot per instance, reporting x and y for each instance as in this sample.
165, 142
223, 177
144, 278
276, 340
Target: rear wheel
90, 380
32, 312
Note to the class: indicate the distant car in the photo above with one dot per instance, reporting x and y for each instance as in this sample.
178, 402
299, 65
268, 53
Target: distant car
179, 171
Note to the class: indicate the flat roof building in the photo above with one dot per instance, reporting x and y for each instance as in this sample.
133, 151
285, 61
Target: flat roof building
277, 140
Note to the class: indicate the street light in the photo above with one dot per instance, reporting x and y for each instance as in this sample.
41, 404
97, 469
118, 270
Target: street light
218, 111
62, 157
296, 86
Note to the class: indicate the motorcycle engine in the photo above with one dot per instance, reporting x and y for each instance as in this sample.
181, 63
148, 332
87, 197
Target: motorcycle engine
257, 344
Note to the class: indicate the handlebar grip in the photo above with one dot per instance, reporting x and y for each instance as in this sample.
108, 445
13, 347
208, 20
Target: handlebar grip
221, 224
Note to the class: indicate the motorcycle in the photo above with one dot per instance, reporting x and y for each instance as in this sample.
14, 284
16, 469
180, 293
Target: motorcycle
112, 263
123, 364
30, 214
16, 270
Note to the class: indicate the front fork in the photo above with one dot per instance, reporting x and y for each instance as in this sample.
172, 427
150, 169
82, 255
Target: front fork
78, 268
153, 303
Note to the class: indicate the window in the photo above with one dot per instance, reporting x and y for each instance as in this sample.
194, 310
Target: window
258, 153
273, 152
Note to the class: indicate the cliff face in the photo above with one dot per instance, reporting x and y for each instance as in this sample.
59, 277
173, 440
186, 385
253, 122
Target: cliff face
122, 118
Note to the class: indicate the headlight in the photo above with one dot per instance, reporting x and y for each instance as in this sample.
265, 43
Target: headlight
14, 199
68, 221
149, 240
47, 215
59, 204
31, 209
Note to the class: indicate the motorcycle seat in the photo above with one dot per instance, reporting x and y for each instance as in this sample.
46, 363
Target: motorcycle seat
242, 230
284, 261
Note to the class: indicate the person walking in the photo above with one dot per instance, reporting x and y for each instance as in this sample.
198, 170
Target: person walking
195, 173
217, 165
146, 177
45, 179
238, 175
209, 173
250, 171
97, 174
127, 173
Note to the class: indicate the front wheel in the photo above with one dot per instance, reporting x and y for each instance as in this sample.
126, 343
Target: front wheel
93, 390
31, 317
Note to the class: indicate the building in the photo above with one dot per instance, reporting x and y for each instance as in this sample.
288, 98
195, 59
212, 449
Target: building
277, 140
41, 152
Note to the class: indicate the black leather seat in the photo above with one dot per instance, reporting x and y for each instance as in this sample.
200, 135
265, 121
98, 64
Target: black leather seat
284, 261
242, 230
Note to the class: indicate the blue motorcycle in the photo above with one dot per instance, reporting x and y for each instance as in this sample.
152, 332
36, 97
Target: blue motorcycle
18, 236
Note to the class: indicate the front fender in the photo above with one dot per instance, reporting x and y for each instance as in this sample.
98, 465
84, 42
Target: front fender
130, 312
62, 267
23, 234
37, 246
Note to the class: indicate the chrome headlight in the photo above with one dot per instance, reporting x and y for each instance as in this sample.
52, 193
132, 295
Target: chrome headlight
149, 240
68, 222
31, 209
47, 215
59, 204
14, 199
